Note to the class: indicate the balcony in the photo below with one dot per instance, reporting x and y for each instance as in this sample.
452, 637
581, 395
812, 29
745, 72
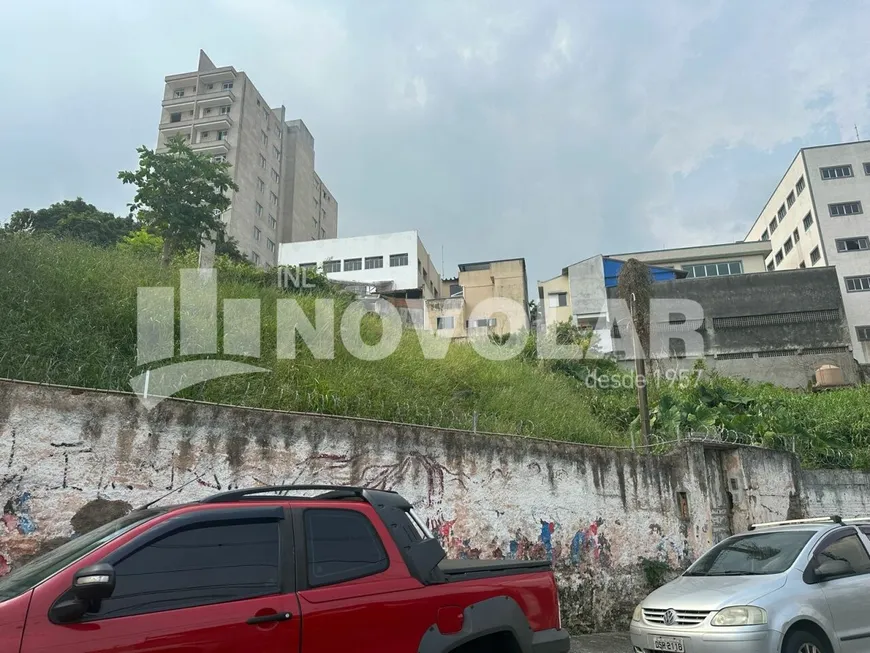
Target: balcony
216, 98
174, 126
211, 147
204, 98
217, 122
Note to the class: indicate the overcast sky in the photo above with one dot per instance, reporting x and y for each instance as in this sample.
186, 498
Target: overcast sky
552, 130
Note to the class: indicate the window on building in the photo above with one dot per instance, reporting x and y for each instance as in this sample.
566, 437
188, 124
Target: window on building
787, 246
341, 545
802, 265
219, 158
227, 86
261, 185
352, 264
815, 256
266, 112
179, 93
222, 135
332, 266
273, 222
858, 284
772, 226
808, 221
867, 168
374, 262
558, 299
209, 87
836, 172
444, 322
276, 152
175, 117
853, 244
481, 323
863, 333
845, 208
790, 199
714, 269
257, 234
765, 235
270, 245
273, 199
800, 185
226, 109
796, 235
264, 137
781, 213
203, 136
205, 564
262, 162
275, 176
255, 258
258, 209
206, 112
771, 266
779, 257
398, 260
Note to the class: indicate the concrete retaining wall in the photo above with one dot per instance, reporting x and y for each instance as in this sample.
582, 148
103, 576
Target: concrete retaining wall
607, 518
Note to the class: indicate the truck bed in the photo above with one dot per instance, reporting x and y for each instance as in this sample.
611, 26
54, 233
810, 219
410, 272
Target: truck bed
455, 570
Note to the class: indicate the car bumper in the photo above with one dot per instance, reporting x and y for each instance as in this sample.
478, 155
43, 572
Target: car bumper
720, 640
551, 641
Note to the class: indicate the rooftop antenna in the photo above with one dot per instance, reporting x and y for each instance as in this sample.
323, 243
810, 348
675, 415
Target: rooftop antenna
857, 135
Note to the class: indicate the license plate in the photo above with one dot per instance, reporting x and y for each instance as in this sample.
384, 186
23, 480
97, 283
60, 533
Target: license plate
672, 644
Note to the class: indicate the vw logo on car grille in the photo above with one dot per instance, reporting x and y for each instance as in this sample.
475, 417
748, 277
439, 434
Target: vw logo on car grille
670, 618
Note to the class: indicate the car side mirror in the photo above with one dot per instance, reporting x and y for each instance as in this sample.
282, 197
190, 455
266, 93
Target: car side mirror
94, 583
90, 585
832, 569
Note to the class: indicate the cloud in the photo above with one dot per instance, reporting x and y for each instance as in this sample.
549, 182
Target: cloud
499, 128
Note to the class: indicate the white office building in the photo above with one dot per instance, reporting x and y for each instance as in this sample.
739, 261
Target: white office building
396, 263
818, 216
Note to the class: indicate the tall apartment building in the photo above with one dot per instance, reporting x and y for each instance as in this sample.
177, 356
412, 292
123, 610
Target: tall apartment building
280, 198
815, 217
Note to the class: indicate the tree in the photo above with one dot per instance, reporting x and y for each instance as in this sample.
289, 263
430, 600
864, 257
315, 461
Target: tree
533, 312
635, 287
75, 219
227, 246
181, 195
568, 333
141, 242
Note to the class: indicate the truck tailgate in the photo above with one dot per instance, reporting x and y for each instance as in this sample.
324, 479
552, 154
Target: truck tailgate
455, 570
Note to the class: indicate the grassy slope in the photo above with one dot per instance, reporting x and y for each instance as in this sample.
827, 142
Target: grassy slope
68, 316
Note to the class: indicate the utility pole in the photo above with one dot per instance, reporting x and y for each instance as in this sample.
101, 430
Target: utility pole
640, 373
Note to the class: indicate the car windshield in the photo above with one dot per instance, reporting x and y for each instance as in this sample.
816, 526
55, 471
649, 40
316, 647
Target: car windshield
46, 565
752, 555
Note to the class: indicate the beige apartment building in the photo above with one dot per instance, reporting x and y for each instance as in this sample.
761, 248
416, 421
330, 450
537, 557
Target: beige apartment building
815, 217
462, 313
220, 113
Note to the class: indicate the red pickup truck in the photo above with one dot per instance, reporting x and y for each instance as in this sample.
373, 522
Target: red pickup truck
348, 570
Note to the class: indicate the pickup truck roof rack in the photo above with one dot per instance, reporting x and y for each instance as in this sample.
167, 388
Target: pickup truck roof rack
271, 492
833, 519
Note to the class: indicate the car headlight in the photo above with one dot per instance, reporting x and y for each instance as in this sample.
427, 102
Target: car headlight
742, 615
638, 613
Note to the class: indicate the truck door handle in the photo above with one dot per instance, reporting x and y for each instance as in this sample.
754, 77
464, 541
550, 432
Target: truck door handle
266, 618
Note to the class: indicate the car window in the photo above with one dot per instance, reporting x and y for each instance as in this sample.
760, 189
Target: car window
848, 549
37, 570
341, 545
753, 554
199, 565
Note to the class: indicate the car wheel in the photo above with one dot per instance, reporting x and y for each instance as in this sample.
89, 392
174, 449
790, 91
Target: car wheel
803, 642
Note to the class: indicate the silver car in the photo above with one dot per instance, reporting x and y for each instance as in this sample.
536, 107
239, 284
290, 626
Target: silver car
787, 587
